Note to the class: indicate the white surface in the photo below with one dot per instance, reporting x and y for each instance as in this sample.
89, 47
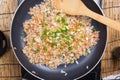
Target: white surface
113, 77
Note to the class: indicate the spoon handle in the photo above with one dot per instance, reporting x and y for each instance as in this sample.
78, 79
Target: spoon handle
104, 20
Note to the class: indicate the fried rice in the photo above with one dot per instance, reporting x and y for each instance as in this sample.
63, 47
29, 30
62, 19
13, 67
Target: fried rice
55, 38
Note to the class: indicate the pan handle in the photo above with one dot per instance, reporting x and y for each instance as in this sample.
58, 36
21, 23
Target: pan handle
3, 43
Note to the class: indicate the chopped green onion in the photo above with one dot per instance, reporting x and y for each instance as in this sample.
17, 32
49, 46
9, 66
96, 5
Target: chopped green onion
72, 38
57, 19
58, 13
44, 25
64, 27
62, 44
59, 30
63, 19
58, 34
76, 46
87, 51
71, 61
51, 32
66, 23
80, 24
37, 51
70, 48
45, 48
94, 29
48, 14
32, 41
43, 37
54, 35
53, 44
62, 35
52, 8
81, 36
67, 37
49, 5
60, 55
45, 32
68, 43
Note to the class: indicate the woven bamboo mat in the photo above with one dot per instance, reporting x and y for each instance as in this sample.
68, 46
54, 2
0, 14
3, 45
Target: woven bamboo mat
112, 10
10, 68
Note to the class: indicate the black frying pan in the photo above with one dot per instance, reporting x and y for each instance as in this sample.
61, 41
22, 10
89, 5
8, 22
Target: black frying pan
86, 64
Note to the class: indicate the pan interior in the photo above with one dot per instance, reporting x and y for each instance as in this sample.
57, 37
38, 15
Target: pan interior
86, 63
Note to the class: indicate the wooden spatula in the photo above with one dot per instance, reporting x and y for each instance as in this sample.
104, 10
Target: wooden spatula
77, 7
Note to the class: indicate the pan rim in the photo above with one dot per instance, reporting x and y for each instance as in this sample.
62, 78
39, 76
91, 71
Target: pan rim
40, 77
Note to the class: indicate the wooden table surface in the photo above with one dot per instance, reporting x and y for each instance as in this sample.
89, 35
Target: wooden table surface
9, 66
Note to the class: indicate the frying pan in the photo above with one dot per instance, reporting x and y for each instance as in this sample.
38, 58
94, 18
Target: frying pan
74, 71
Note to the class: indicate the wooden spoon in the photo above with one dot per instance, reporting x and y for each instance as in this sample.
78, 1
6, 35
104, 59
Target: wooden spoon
77, 7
